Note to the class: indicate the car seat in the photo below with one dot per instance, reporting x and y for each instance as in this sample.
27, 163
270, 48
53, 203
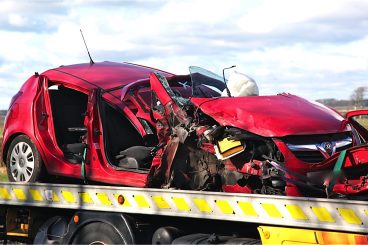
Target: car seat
135, 157
74, 152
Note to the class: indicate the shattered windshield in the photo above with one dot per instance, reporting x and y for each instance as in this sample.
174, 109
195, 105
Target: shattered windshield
205, 83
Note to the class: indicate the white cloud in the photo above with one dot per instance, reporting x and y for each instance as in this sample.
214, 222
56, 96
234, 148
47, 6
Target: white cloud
312, 48
275, 15
16, 19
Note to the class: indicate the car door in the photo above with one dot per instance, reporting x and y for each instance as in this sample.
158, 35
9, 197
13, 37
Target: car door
45, 132
41, 114
90, 168
167, 110
359, 120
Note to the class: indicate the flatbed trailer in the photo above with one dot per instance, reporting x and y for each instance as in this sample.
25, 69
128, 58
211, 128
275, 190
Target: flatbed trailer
66, 213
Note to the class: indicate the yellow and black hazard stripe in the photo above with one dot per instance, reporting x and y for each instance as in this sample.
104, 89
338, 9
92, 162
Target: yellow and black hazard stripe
342, 215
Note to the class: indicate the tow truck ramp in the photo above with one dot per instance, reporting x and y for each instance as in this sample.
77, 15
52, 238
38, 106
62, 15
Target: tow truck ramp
311, 213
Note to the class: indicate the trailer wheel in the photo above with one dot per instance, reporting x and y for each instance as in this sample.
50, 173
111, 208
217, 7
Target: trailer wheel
52, 231
98, 233
23, 160
248, 241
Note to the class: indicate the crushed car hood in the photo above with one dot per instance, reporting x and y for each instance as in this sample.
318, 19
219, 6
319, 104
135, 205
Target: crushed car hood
272, 116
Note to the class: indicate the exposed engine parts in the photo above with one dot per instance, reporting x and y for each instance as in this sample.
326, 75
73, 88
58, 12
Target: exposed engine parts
210, 144
217, 158
202, 155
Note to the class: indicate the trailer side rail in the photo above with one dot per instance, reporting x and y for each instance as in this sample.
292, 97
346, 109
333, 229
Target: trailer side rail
317, 213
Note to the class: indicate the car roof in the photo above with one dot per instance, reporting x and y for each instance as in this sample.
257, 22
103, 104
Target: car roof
105, 75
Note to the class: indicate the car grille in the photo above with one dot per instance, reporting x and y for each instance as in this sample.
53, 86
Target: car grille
316, 148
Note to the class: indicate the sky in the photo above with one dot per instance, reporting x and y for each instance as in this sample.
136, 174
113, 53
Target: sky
314, 49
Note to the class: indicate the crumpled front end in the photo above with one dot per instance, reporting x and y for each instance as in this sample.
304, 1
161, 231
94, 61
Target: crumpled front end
245, 145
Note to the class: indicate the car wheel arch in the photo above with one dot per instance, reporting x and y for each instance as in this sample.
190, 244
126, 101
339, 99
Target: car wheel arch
7, 145
15, 135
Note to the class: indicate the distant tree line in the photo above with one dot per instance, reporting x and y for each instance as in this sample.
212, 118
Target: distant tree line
342, 103
357, 99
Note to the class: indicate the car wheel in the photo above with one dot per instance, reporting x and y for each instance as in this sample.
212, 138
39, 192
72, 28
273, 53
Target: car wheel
23, 160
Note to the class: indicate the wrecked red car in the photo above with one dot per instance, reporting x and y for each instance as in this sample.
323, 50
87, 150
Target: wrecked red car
130, 125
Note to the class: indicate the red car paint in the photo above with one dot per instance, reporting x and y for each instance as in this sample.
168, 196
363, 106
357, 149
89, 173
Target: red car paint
128, 88
30, 114
273, 116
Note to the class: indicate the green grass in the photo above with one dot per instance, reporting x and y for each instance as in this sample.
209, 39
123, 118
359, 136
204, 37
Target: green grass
363, 120
2, 118
3, 175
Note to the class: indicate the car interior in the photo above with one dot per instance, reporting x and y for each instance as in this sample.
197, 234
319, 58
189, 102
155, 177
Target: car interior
124, 145
68, 110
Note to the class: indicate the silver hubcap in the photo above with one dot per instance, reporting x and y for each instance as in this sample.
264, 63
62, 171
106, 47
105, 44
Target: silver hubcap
22, 162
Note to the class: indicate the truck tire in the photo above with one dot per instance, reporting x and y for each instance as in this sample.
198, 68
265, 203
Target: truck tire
23, 160
98, 233
52, 231
243, 241
200, 238
166, 235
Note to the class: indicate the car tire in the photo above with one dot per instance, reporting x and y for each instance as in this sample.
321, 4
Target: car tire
98, 233
23, 160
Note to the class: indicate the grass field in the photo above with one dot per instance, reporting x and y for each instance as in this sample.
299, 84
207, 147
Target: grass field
3, 176
1, 126
363, 121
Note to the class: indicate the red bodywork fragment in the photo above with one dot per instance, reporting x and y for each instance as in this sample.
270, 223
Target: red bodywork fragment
272, 116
